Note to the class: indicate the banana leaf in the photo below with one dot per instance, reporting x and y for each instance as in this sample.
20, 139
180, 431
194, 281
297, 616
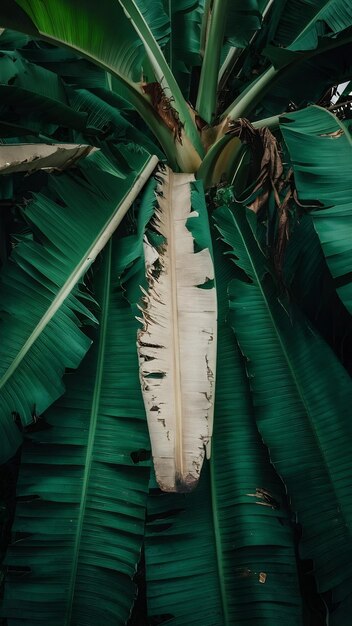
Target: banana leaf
73, 70
83, 483
177, 343
32, 157
225, 554
304, 266
14, 130
302, 397
320, 149
321, 72
302, 22
37, 96
12, 40
40, 321
119, 42
110, 118
243, 20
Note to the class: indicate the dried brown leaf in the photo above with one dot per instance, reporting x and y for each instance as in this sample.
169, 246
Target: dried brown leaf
164, 109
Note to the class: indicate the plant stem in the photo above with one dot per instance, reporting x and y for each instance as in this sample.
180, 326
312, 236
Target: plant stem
218, 543
162, 71
248, 99
234, 53
207, 93
228, 65
204, 27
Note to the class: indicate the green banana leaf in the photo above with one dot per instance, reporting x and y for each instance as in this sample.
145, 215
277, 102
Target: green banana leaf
110, 119
113, 42
49, 97
183, 50
13, 40
83, 484
36, 95
320, 149
224, 554
304, 266
243, 20
303, 21
299, 26
13, 130
119, 42
40, 321
75, 71
279, 87
157, 19
321, 72
302, 397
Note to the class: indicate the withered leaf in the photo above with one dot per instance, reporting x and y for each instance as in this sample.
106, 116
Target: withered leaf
164, 109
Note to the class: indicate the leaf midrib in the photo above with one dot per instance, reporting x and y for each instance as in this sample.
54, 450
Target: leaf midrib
89, 256
92, 429
175, 337
218, 541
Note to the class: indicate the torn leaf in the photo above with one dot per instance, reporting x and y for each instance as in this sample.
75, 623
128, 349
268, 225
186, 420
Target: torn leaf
40, 156
177, 344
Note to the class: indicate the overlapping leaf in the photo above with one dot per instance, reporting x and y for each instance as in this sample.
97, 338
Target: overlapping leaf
243, 19
37, 95
83, 484
120, 41
40, 333
224, 554
320, 149
302, 22
302, 397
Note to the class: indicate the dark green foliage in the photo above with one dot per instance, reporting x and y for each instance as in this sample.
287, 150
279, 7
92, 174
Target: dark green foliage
265, 540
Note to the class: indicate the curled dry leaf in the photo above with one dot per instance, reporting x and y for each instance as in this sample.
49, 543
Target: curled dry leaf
270, 180
263, 143
164, 109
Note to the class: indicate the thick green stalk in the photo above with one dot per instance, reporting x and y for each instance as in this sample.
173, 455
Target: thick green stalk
207, 169
248, 99
205, 26
207, 92
185, 157
147, 113
162, 71
268, 122
228, 65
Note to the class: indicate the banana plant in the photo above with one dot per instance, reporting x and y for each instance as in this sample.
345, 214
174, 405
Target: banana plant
217, 316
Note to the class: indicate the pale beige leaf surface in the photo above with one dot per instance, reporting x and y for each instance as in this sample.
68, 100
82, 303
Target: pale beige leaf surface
38, 156
177, 345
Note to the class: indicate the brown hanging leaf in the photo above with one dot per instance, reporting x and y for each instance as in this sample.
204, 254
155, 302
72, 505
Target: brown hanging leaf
264, 146
269, 179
